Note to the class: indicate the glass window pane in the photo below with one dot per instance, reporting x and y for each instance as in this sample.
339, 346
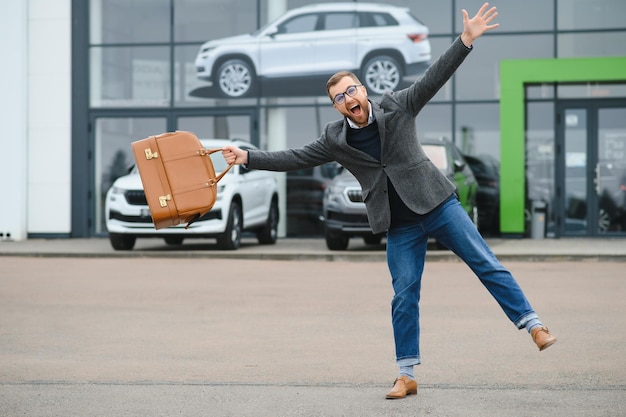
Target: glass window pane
221, 127
479, 76
114, 155
203, 20
478, 129
611, 170
130, 76
435, 121
299, 24
129, 21
575, 203
305, 189
540, 91
590, 14
540, 158
528, 15
591, 90
582, 45
338, 21
437, 15
188, 89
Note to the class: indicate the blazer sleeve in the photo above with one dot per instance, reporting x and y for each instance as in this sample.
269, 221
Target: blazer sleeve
415, 97
312, 154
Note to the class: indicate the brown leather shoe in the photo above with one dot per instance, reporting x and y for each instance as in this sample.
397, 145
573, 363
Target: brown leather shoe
542, 337
402, 387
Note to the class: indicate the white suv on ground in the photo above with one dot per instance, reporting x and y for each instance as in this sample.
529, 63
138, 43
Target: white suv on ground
247, 200
378, 42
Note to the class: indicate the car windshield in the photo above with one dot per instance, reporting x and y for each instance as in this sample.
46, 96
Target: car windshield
437, 154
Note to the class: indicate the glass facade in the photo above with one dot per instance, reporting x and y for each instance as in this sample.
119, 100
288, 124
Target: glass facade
144, 77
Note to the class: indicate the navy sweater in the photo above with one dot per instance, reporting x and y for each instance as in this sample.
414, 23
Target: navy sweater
367, 140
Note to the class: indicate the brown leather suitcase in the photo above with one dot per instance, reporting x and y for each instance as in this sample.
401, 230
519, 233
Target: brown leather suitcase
178, 177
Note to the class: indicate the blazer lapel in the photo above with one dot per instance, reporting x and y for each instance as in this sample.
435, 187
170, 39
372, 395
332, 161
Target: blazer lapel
379, 116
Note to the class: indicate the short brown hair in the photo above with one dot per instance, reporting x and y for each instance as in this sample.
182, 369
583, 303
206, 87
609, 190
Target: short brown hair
337, 77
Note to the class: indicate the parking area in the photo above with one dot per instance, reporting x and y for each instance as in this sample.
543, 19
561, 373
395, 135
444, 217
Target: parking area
138, 336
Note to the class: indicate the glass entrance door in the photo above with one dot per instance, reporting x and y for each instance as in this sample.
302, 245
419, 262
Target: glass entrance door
610, 171
591, 169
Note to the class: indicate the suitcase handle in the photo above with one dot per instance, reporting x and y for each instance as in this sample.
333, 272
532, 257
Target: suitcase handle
208, 152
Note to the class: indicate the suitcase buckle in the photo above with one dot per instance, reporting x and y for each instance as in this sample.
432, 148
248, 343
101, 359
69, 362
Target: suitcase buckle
164, 199
150, 155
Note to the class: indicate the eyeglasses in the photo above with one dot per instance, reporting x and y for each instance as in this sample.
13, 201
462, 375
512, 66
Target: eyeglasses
351, 91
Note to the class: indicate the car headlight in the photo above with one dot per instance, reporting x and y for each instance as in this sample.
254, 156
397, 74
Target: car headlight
334, 190
117, 190
207, 49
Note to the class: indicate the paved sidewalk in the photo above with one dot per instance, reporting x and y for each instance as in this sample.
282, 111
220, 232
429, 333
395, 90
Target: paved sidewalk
571, 249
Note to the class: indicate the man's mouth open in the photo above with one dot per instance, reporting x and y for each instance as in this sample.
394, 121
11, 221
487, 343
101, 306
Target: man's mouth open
356, 110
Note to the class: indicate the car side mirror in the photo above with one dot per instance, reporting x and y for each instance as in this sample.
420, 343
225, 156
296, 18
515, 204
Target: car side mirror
458, 165
272, 32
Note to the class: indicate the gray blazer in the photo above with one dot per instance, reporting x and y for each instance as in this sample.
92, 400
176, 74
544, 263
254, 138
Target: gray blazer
418, 182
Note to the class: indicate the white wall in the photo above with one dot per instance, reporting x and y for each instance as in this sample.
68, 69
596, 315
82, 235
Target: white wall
49, 116
35, 111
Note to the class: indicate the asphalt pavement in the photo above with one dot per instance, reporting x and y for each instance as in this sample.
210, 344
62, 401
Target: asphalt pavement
293, 329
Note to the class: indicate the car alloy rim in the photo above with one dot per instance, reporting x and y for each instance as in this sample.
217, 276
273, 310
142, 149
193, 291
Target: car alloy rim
235, 80
382, 75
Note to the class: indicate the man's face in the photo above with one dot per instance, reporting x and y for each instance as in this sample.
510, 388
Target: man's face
355, 108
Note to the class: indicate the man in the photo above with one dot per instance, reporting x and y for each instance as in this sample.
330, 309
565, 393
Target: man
405, 194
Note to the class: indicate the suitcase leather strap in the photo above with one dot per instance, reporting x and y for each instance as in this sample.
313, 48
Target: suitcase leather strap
208, 152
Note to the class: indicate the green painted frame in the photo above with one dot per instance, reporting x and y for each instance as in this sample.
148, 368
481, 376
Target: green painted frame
514, 74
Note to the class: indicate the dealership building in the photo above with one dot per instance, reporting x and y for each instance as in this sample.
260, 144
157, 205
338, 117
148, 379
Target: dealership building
544, 96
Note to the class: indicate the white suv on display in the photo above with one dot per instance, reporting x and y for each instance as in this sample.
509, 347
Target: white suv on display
247, 200
378, 42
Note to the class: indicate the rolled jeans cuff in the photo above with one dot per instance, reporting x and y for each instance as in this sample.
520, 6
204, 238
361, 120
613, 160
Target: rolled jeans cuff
521, 323
408, 361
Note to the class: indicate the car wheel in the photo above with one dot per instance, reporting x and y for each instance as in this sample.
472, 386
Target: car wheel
235, 78
604, 221
231, 238
173, 240
267, 234
122, 242
336, 241
372, 239
381, 74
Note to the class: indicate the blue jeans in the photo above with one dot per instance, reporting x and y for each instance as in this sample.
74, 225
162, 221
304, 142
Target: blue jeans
406, 253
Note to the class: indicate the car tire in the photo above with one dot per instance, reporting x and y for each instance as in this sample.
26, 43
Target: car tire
173, 240
381, 73
235, 78
268, 234
440, 245
122, 242
336, 241
604, 221
372, 239
231, 238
